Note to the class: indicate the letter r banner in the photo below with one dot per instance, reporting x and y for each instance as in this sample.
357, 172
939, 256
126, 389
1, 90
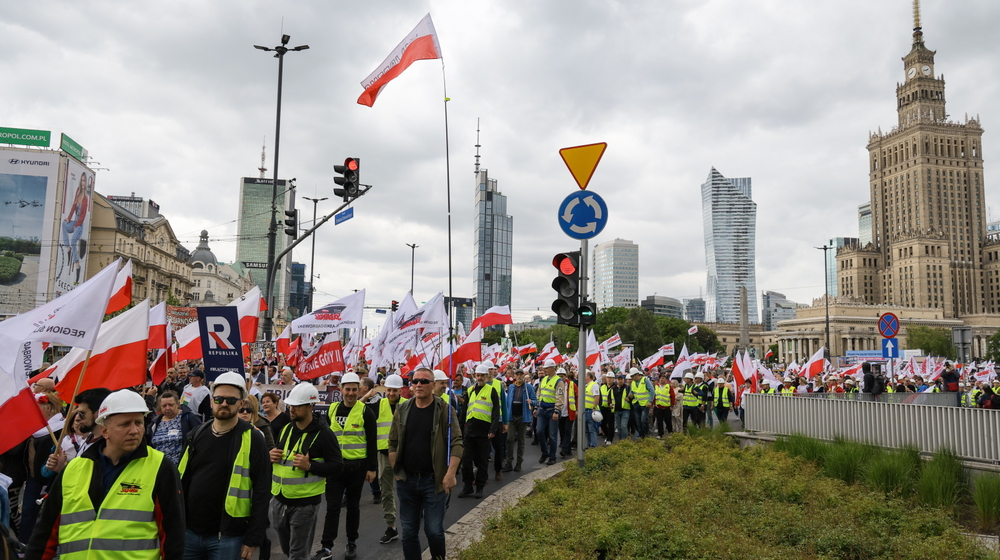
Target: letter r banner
221, 348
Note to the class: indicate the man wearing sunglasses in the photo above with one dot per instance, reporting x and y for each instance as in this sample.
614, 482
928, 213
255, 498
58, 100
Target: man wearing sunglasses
225, 474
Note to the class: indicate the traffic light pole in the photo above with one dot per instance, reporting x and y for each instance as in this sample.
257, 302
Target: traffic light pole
581, 375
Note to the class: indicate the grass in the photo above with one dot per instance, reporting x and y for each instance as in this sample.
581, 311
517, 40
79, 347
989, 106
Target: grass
847, 460
986, 499
893, 472
942, 482
701, 497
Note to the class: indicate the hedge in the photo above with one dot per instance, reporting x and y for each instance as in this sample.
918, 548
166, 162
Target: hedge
9, 269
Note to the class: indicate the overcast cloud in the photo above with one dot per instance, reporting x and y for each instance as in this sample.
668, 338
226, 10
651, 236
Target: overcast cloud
174, 100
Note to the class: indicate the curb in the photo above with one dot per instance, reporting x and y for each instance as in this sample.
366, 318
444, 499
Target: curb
466, 530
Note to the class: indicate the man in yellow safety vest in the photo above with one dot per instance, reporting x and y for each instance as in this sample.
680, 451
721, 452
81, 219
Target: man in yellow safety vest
664, 400
482, 424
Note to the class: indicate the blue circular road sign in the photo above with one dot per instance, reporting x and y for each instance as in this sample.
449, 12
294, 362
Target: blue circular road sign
888, 325
583, 215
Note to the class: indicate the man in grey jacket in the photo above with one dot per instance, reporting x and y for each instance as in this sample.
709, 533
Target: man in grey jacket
424, 474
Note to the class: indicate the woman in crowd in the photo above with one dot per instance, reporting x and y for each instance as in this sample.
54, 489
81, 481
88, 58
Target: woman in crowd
271, 404
249, 413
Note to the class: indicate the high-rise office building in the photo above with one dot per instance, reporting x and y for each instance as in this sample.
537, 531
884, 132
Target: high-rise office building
831, 261
251, 245
865, 224
730, 220
776, 307
493, 244
299, 294
694, 310
928, 205
615, 274
663, 306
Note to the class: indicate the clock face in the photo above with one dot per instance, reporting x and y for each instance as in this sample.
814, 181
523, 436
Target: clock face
926, 70
911, 72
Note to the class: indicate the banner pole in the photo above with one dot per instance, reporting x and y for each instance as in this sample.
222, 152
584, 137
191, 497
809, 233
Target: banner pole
72, 399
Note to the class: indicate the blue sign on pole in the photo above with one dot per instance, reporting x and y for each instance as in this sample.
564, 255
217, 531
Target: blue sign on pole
890, 348
343, 216
583, 215
221, 347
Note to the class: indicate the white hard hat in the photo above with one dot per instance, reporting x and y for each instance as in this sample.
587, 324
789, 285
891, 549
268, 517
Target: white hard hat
351, 378
440, 375
699, 374
787, 380
119, 402
483, 368
549, 363
560, 371
303, 393
689, 375
234, 379
392, 382
489, 364
634, 371
597, 416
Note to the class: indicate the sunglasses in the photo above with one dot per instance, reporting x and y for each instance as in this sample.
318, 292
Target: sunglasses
246, 411
228, 400
421, 381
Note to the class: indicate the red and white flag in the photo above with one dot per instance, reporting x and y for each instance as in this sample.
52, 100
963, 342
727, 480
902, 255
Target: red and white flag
499, 315
249, 306
526, 349
668, 349
283, 341
768, 354
121, 294
419, 44
471, 349
655, 360
345, 313
118, 359
188, 342
612, 342
322, 357
72, 319
693, 330
19, 413
815, 365
158, 327
158, 369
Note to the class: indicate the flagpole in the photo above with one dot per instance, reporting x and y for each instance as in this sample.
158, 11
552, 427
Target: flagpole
72, 399
451, 298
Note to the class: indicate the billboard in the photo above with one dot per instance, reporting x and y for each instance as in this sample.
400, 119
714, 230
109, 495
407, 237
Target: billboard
28, 185
70, 259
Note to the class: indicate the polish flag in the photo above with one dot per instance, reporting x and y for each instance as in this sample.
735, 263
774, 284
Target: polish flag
249, 306
412, 363
547, 351
284, 340
118, 359
593, 348
815, 364
499, 315
655, 360
18, 410
121, 294
470, 350
526, 349
419, 44
73, 319
158, 327
188, 342
158, 369
768, 354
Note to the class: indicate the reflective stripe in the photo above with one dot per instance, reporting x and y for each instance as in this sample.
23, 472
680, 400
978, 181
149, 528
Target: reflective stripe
547, 394
127, 515
383, 436
237, 493
295, 481
354, 446
242, 471
118, 545
360, 433
384, 424
74, 546
78, 517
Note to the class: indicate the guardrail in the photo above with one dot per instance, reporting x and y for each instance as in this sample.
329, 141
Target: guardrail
972, 433
934, 399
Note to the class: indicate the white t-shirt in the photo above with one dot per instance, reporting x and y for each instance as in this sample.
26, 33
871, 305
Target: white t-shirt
193, 397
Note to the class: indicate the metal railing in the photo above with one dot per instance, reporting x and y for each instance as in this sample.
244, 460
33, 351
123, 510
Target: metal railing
972, 433
933, 399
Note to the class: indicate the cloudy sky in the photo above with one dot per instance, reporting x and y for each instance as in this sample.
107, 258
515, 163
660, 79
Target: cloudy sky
172, 98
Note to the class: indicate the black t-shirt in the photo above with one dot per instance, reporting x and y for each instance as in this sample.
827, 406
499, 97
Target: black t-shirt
205, 492
416, 447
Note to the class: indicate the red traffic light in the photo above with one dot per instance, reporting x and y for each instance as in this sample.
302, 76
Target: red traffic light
565, 264
351, 164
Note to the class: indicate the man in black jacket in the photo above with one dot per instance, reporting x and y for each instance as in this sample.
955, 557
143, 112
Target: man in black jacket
225, 474
868, 382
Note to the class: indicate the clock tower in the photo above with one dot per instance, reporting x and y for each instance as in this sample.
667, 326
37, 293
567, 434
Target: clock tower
921, 97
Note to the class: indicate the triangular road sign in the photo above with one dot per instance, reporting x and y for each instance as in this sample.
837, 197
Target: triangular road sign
583, 160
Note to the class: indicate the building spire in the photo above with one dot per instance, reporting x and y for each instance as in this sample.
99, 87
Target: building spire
918, 35
263, 149
477, 146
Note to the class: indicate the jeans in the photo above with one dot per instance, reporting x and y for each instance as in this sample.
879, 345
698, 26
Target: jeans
295, 526
591, 428
72, 243
621, 420
29, 508
387, 484
515, 439
351, 479
641, 419
418, 497
548, 431
211, 547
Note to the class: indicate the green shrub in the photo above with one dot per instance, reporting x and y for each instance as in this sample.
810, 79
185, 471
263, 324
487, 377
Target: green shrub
942, 481
9, 269
846, 460
798, 445
986, 497
892, 473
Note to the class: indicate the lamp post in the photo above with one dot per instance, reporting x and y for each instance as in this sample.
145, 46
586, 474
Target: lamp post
826, 290
312, 259
272, 230
413, 257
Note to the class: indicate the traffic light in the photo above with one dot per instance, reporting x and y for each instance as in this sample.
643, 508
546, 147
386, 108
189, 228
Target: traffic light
292, 223
351, 173
567, 287
395, 305
588, 313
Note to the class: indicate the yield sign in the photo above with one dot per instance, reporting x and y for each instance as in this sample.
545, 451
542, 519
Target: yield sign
583, 160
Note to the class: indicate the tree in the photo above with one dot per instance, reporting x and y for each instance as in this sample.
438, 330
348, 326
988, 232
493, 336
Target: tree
640, 328
492, 337
933, 341
707, 340
172, 299
607, 319
774, 353
993, 347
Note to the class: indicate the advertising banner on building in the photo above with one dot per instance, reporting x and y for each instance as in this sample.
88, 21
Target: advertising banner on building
27, 211
221, 348
70, 262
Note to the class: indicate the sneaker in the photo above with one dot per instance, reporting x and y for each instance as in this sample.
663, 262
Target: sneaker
389, 536
322, 554
352, 551
377, 500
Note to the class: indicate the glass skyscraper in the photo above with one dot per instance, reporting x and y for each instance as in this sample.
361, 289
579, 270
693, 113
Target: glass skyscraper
865, 224
831, 261
494, 231
730, 221
251, 245
615, 274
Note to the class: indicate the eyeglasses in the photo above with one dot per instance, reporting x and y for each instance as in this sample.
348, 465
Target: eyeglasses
228, 400
421, 381
246, 411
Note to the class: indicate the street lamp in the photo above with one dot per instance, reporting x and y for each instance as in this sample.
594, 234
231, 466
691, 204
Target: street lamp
413, 257
826, 289
272, 230
312, 259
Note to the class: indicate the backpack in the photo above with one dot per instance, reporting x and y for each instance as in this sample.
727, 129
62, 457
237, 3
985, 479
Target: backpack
879, 386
